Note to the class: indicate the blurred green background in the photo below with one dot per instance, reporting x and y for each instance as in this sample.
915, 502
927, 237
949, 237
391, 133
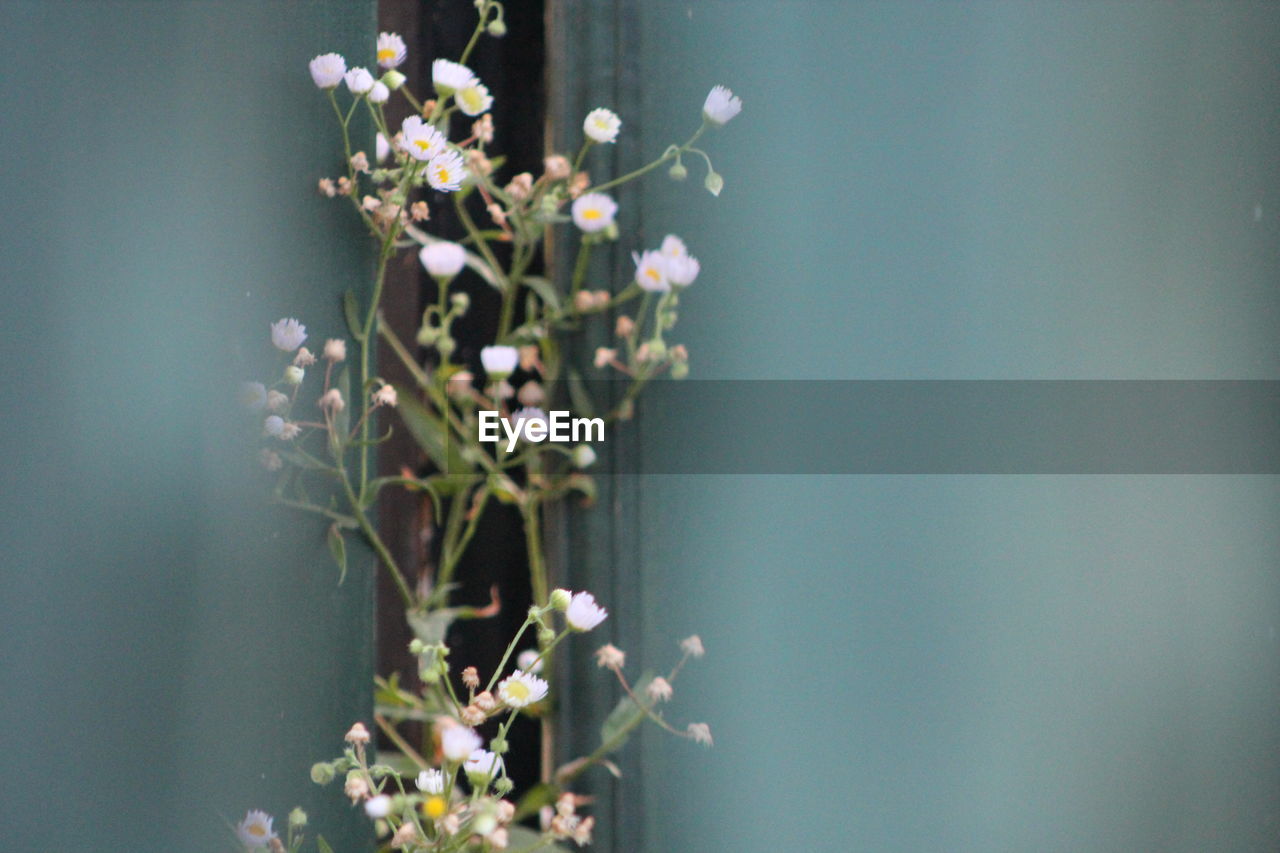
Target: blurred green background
175, 652
993, 190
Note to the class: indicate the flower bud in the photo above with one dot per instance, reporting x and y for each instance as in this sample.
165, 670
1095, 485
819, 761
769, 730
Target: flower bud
560, 599
322, 773
497, 28
486, 702
714, 183
393, 79
461, 302
546, 636
499, 745
294, 374
297, 818
503, 786
583, 456
678, 172
416, 646
680, 370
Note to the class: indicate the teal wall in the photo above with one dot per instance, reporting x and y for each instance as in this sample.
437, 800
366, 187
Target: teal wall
175, 652
980, 663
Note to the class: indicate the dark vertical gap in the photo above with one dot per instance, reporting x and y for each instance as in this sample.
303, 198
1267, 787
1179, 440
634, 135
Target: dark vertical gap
512, 68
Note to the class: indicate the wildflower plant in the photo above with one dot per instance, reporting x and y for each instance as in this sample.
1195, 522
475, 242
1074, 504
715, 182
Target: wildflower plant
317, 427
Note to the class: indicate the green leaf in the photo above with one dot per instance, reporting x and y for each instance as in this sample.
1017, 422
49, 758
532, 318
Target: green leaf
352, 312
579, 396
545, 289
323, 846
399, 763
522, 838
431, 433
431, 627
625, 716
338, 548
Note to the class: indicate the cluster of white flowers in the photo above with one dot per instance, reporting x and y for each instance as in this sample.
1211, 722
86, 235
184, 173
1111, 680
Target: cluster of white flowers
658, 270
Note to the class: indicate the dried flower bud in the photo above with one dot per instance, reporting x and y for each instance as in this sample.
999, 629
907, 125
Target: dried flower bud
356, 788
473, 716
583, 300
643, 353
428, 107
332, 401
277, 402
485, 701
483, 129
270, 460
610, 656
700, 732
506, 811
557, 167
624, 327
566, 804
692, 646
385, 396
405, 835
659, 690
335, 349
360, 162
419, 211
531, 394
450, 824
322, 773
471, 678
459, 384
344, 186
521, 186
605, 356
529, 357
498, 839
582, 833
601, 298
679, 353
304, 358
327, 187
357, 733
496, 213
579, 185
370, 203
478, 164
275, 845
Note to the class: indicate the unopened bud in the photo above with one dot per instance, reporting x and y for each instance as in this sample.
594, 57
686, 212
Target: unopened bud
297, 818
294, 374
560, 599
678, 172
714, 183
393, 79
322, 773
497, 28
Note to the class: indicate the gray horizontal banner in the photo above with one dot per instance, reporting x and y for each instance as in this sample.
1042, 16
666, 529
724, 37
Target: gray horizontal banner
946, 427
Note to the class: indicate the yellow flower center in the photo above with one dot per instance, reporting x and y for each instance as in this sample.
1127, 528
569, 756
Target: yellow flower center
435, 807
591, 213
442, 174
385, 54
653, 274
471, 99
422, 144
518, 690
257, 829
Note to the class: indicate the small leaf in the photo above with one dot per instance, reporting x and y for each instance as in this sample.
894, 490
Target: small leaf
523, 838
431, 433
545, 289
579, 396
625, 716
352, 312
338, 548
323, 846
430, 628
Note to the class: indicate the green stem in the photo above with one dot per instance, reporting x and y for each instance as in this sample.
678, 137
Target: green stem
672, 151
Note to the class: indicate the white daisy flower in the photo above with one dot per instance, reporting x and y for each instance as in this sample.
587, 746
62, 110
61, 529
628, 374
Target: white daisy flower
721, 105
391, 50
594, 212
359, 81
445, 171
520, 689
421, 140
379, 94
253, 396
448, 77
443, 259
602, 125
273, 426
381, 147
651, 271
482, 765
458, 742
255, 829
327, 70
673, 247
378, 807
583, 613
431, 782
499, 361
288, 334
682, 270
529, 660
474, 98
